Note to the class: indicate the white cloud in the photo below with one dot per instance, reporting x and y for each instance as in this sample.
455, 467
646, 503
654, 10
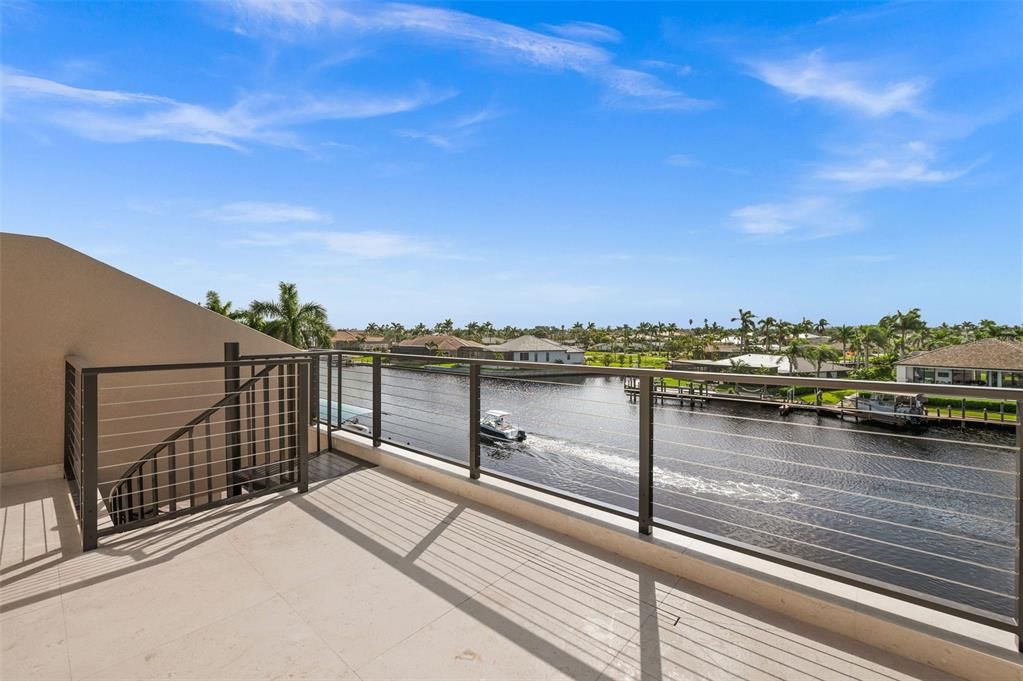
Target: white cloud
808, 217
682, 161
264, 213
585, 31
369, 245
116, 116
812, 77
298, 18
910, 164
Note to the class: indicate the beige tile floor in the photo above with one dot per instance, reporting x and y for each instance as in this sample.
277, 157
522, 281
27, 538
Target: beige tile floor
373, 576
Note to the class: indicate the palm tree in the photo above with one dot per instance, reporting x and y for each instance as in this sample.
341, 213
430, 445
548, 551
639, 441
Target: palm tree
905, 323
746, 326
213, 303
822, 325
303, 325
820, 354
844, 334
793, 352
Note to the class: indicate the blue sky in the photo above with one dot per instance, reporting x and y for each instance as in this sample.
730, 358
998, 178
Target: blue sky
530, 163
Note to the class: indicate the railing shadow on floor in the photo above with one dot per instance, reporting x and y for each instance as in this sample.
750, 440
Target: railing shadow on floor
577, 580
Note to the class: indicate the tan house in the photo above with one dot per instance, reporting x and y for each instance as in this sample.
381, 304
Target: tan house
440, 344
991, 362
347, 339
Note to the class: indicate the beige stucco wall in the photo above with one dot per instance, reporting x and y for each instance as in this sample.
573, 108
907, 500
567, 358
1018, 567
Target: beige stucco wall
54, 302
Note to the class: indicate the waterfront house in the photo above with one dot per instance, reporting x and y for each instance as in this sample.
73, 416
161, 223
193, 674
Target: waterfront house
347, 339
441, 345
763, 363
991, 361
532, 349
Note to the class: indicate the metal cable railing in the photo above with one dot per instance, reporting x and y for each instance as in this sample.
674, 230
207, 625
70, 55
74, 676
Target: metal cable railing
920, 508
145, 443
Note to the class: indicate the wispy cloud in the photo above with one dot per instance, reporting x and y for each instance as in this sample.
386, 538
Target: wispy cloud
675, 69
263, 213
370, 245
433, 139
467, 31
807, 217
911, 164
843, 83
585, 31
119, 116
454, 135
682, 161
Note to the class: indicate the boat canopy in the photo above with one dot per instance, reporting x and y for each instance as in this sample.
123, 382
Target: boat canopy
497, 413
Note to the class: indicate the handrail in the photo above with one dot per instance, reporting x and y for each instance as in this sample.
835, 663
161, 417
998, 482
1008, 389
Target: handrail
197, 420
130, 368
936, 389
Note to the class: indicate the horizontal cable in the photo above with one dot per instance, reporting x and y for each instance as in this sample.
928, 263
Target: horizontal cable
245, 405
840, 552
570, 399
212, 380
842, 532
198, 395
505, 462
450, 429
557, 383
832, 428
143, 475
842, 471
840, 491
186, 438
832, 448
158, 503
185, 453
419, 409
218, 421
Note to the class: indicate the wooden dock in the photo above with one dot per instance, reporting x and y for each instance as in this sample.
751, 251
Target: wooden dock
700, 396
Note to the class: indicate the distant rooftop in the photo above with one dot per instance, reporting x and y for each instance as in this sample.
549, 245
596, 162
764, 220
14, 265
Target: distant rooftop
990, 353
532, 344
441, 341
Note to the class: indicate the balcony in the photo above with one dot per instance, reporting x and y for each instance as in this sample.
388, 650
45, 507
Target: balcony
338, 514
373, 575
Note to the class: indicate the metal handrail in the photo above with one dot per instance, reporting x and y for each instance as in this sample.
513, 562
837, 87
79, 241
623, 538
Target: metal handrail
936, 389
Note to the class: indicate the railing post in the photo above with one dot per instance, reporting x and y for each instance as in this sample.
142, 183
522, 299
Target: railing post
232, 419
1019, 521
90, 463
646, 453
314, 398
303, 426
330, 400
377, 403
474, 421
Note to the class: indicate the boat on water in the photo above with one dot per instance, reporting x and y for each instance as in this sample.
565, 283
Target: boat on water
896, 409
348, 417
494, 427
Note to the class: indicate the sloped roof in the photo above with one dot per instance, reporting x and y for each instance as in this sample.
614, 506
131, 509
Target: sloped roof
990, 353
758, 360
344, 336
531, 344
441, 341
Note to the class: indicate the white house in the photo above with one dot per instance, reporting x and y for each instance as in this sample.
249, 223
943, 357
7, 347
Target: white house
774, 364
991, 362
533, 349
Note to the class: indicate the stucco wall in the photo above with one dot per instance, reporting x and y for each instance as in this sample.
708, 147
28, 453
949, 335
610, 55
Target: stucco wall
54, 302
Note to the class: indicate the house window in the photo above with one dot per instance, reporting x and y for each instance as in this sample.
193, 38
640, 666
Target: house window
524, 356
548, 357
923, 375
1012, 379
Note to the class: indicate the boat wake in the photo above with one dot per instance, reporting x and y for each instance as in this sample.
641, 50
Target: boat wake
663, 478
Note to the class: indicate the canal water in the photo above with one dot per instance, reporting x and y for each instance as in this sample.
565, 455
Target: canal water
932, 512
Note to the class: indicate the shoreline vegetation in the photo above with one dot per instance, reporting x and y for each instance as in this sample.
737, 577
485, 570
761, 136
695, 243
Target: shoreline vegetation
869, 350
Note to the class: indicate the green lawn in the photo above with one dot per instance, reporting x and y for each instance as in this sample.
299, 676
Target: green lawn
615, 359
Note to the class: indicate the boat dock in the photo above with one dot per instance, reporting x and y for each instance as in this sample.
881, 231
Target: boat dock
699, 396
